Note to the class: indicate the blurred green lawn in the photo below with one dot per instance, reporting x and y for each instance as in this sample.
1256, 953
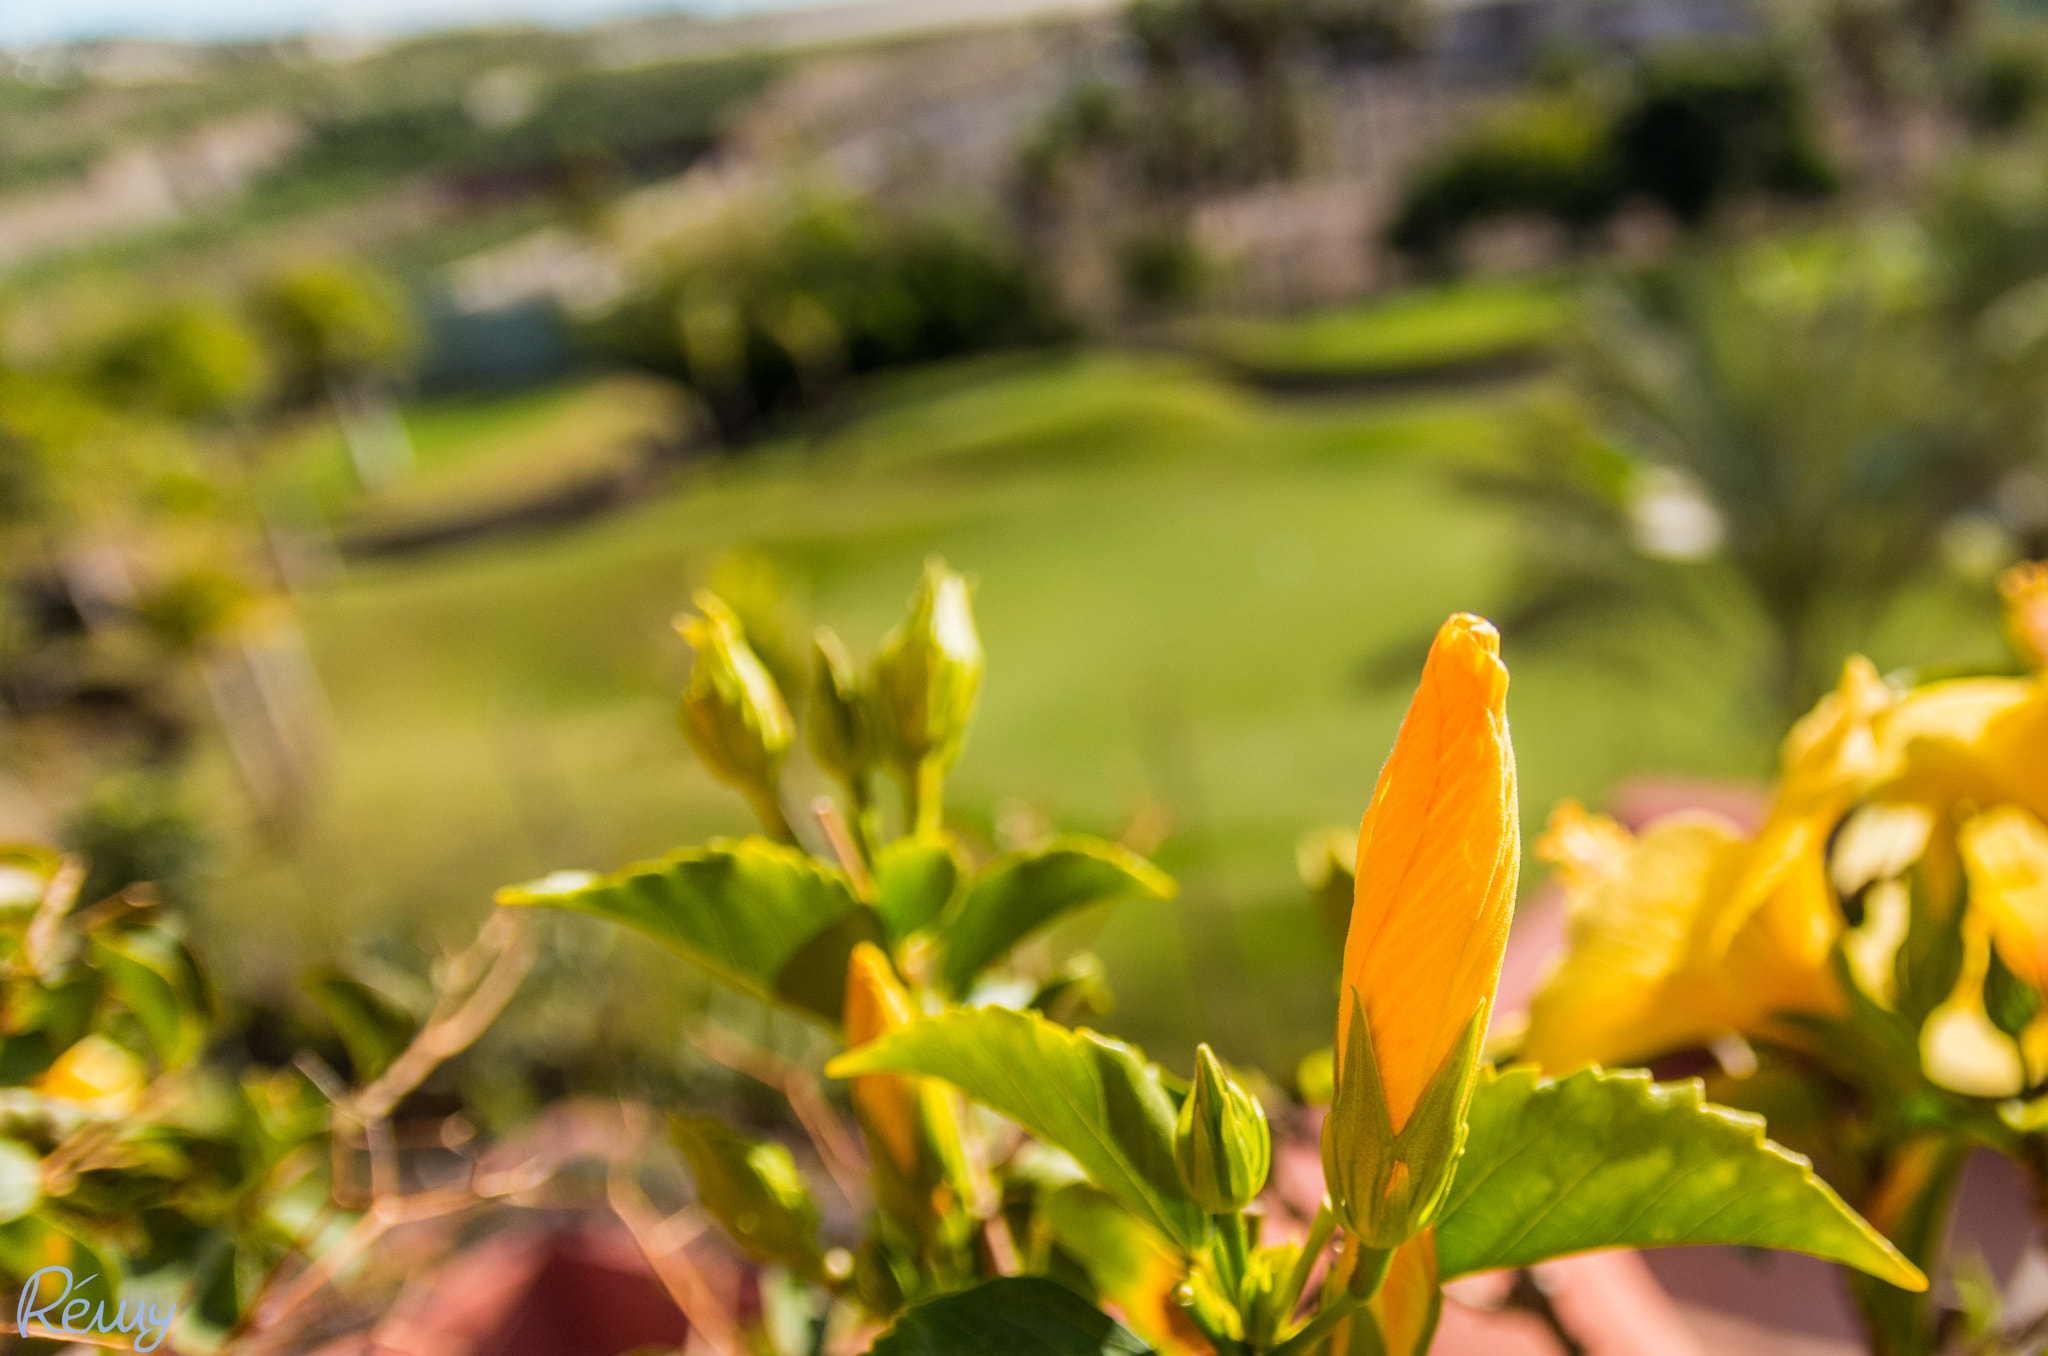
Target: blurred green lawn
1181, 586
1436, 327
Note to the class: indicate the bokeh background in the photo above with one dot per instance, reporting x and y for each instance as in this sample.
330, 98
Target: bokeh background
376, 384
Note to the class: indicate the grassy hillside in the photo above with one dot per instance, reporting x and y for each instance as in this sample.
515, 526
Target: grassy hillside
1179, 587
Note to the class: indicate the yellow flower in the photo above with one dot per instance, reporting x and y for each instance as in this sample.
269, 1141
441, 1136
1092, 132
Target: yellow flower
2005, 854
1691, 931
98, 1075
1437, 856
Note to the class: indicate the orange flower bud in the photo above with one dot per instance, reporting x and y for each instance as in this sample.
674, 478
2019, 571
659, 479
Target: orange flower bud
876, 1005
1437, 858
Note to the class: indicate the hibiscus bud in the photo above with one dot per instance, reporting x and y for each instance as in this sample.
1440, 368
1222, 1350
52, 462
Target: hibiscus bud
733, 714
926, 678
841, 733
1221, 1145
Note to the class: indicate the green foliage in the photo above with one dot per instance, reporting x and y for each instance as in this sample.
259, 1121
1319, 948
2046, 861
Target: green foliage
1093, 1097
1716, 124
1551, 157
189, 361
374, 1027
768, 318
1009, 1316
1696, 129
1598, 1160
335, 322
133, 829
1800, 422
765, 917
755, 1191
1018, 893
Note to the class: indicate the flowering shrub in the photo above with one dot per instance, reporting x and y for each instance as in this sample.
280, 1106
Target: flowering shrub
1126, 1216
1869, 961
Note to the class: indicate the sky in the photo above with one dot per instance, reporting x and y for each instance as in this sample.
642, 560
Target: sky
29, 22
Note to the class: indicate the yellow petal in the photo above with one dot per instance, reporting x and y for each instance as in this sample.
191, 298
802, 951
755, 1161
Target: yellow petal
1437, 856
98, 1075
1612, 999
2005, 853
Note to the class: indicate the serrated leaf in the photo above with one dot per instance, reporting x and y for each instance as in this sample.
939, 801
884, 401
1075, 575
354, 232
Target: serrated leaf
374, 1029
753, 1188
1093, 1097
155, 977
1009, 1316
1614, 1160
762, 916
915, 878
1018, 893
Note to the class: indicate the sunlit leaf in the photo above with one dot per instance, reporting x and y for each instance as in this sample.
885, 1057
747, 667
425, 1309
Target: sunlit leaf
767, 918
753, 1188
1093, 1097
1614, 1160
1009, 1316
153, 974
20, 1179
1020, 892
373, 1028
915, 877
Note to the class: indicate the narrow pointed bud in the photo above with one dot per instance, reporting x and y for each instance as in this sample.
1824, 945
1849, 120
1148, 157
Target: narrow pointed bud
927, 676
732, 713
1222, 1145
1437, 857
842, 735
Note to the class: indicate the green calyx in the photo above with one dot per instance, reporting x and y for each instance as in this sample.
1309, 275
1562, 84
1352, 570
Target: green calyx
924, 684
732, 713
1221, 1142
1388, 1187
841, 731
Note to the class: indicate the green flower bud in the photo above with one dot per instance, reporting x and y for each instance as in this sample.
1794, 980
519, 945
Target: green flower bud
1222, 1145
926, 678
733, 714
842, 734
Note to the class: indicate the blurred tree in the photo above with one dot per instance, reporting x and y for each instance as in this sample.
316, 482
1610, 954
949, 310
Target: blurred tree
192, 361
1801, 425
342, 332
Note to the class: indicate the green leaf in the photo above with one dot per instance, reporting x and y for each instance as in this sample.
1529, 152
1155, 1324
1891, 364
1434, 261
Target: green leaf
374, 1028
21, 1179
1093, 1097
767, 918
155, 977
753, 1188
1614, 1160
1020, 892
915, 877
1009, 1316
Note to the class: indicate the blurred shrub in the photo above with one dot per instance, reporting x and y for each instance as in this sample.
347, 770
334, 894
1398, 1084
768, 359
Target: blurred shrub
1988, 215
192, 360
1708, 125
135, 829
1161, 267
1695, 130
2006, 82
1552, 157
767, 320
1797, 429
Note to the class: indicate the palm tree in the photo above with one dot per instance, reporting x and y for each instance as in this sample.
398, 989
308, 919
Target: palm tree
1797, 425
